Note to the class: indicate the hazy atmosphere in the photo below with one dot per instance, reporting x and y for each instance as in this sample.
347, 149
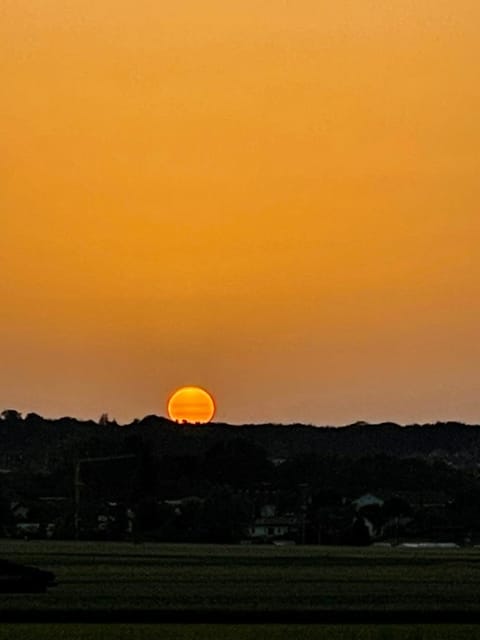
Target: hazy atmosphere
277, 201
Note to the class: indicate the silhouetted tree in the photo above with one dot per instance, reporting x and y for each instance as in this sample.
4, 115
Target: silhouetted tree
360, 535
226, 515
396, 507
11, 415
238, 463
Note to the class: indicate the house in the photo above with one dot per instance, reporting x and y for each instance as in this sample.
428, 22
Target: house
427, 499
268, 511
267, 529
277, 461
28, 530
19, 511
179, 504
367, 500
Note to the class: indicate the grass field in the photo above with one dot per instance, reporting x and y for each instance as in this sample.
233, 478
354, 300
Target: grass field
245, 632
175, 577
117, 576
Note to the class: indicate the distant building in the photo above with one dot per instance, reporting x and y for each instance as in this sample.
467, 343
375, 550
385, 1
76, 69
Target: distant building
268, 511
277, 461
19, 511
180, 503
367, 500
28, 530
268, 529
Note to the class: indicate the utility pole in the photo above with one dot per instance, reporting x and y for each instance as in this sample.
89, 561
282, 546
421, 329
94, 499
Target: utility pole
303, 510
78, 484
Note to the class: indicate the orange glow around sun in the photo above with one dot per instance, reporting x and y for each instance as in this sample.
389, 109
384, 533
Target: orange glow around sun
191, 404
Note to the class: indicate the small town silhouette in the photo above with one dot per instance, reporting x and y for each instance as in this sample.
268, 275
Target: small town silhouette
155, 480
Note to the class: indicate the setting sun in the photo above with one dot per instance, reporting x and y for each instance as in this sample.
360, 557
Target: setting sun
191, 404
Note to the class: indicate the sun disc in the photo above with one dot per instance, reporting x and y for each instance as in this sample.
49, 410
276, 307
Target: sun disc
191, 404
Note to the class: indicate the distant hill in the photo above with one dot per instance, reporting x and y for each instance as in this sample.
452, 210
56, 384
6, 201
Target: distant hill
36, 443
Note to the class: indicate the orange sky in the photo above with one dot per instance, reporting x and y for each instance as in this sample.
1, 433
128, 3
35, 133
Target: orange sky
275, 200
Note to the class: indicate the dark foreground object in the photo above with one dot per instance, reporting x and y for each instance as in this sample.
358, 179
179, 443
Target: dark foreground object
241, 617
18, 578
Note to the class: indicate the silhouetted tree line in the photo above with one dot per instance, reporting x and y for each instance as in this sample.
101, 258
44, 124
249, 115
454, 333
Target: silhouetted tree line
223, 475
37, 442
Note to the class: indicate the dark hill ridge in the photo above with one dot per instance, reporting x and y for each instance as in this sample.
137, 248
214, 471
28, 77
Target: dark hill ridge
38, 443
353, 440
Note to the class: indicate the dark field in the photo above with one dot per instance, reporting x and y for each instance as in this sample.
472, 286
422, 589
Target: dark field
234, 580
231, 632
115, 577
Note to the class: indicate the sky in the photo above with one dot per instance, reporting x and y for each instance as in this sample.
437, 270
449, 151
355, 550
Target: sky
275, 200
